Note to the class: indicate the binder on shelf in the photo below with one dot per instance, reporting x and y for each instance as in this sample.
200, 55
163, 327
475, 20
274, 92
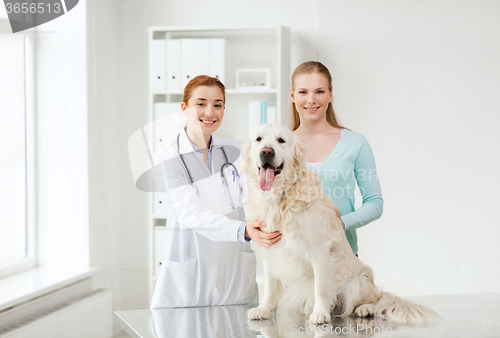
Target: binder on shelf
159, 113
201, 59
254, 114
157, 81
159, 207
187, 58
194, 60
173, 61
263, 112
271, 113
160, 247
174, 121
159, 110
188, 53
217, 58
168, 120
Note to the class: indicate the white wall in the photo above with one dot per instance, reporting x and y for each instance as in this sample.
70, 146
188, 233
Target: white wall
104, 134
78, 140
61, 141
418, 79
111, 191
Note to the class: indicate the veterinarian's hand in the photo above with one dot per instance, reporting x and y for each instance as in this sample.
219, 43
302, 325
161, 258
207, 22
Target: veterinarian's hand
338, 215
263, 239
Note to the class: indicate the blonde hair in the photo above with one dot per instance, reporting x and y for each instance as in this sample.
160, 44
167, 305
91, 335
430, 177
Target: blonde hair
309, 67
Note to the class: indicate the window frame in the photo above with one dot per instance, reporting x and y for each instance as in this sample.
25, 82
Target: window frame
30, 261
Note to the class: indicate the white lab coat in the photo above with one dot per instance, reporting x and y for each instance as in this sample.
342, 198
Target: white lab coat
204, 263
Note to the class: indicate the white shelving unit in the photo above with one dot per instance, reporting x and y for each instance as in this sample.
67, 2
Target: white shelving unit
258, 47
228, 91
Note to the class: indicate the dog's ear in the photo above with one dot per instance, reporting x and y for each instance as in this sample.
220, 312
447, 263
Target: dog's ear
299, 151
245, 155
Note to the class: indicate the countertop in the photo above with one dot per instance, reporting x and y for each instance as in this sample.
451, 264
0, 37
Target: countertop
462, 315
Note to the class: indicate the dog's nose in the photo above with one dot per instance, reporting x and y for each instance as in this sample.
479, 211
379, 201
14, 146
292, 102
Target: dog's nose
266, 154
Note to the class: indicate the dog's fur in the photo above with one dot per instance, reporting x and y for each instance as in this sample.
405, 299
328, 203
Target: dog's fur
312, 269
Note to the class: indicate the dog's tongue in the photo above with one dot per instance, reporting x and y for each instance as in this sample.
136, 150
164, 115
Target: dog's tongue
266, 178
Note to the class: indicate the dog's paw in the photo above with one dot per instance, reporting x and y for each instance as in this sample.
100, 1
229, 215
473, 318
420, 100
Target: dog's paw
259, 313
319, 317
259, 325
365, 310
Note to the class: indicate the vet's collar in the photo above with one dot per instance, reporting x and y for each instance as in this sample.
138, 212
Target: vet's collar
185, 145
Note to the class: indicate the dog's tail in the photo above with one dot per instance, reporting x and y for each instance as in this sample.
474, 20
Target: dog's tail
404, 311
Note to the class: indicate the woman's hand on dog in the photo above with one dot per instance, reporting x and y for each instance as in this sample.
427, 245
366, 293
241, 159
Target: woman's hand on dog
341, 221
263, 239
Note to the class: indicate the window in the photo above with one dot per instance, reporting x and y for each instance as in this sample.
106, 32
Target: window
16, 154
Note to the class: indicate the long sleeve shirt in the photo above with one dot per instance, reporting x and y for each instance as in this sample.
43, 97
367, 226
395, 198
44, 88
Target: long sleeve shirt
351, 162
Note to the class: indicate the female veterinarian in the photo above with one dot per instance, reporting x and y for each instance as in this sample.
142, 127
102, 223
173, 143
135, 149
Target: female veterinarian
207, 261
341, 157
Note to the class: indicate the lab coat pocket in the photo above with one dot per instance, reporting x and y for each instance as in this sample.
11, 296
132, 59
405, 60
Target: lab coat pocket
177, 282
248, 283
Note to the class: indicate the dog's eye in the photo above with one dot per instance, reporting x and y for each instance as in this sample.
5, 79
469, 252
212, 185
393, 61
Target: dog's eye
280, 140
258, 139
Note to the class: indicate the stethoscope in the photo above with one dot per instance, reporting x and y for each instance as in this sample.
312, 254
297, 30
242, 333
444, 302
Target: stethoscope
235, 174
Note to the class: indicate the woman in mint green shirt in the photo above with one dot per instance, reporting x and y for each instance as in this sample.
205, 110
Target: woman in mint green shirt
341, 157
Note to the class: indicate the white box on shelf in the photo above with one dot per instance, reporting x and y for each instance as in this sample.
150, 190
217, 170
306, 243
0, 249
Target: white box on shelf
253, 78
173, 64
217, 58
157, 74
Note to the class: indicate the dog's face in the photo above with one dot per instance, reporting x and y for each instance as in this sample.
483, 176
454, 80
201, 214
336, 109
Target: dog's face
271, 153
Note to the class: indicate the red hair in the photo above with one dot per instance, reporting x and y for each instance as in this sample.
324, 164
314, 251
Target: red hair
202, 80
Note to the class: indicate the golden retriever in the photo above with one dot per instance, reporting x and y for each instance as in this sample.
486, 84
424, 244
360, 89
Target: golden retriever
312, 269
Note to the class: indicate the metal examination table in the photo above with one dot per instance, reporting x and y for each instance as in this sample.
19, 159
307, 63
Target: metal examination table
464, 315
